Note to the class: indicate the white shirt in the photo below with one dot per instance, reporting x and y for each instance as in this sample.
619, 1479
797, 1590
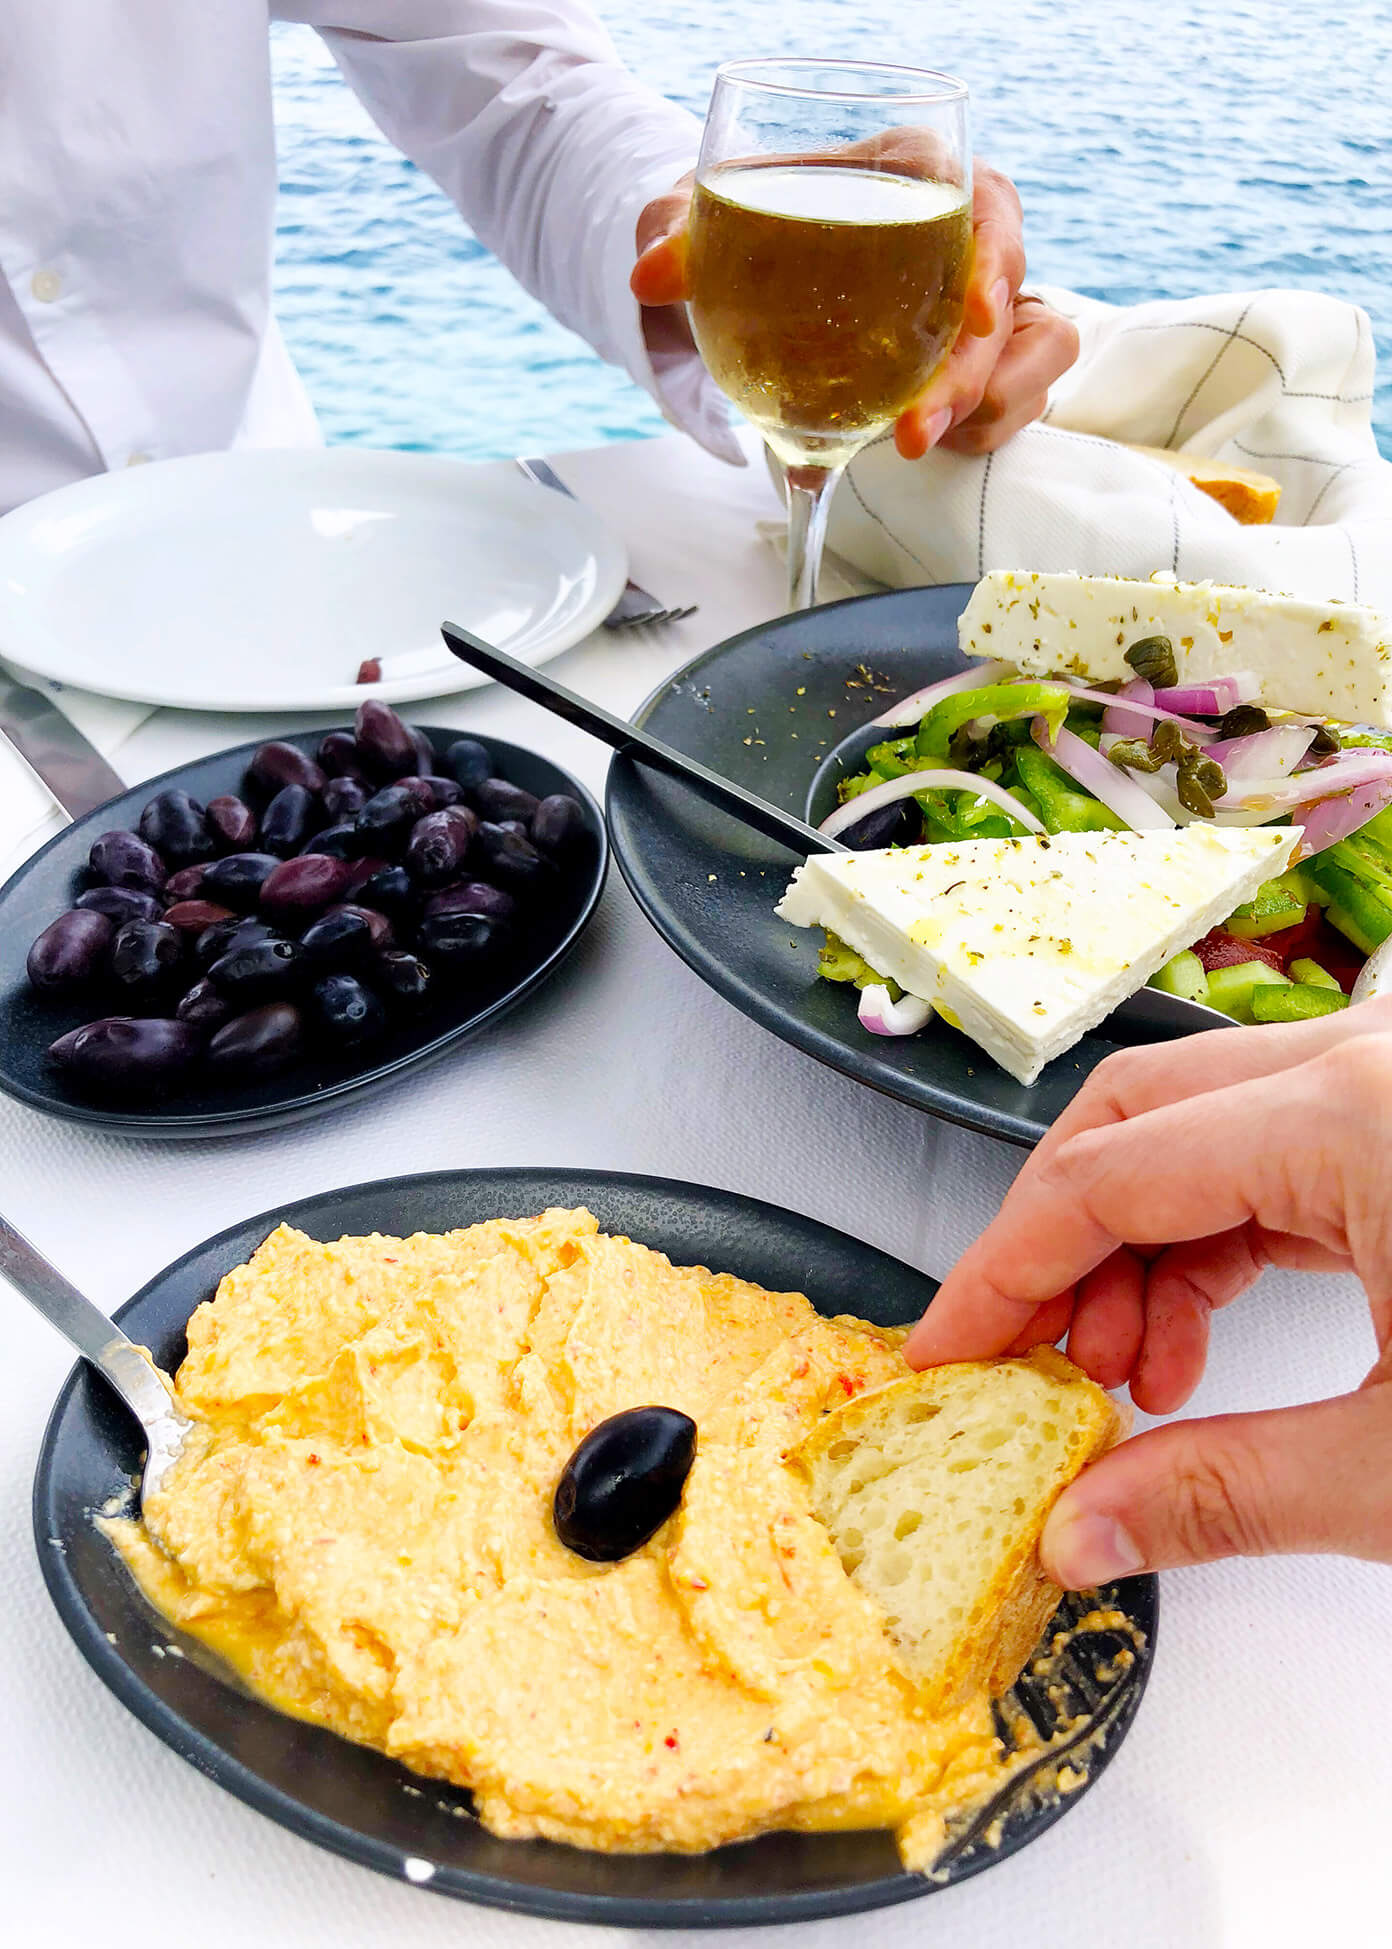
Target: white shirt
137, 205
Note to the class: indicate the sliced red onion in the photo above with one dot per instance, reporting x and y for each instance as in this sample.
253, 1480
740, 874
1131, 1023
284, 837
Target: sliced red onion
883, 1017
926, 781
1344, 773
1375, 976
1263, 754
1212, 699
1130, 724
910, 709
1117, 789
1329, 820
1196, 733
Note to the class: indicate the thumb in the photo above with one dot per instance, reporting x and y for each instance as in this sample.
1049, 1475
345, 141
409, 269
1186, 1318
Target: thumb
1298, 1479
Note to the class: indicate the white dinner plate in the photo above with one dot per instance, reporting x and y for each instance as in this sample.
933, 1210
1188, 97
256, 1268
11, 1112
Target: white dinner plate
261, 580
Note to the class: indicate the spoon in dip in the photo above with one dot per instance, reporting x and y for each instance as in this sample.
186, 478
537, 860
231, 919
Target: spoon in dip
128, 1368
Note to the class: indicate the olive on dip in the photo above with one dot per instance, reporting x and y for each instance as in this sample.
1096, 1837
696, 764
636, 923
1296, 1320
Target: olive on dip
623, 1482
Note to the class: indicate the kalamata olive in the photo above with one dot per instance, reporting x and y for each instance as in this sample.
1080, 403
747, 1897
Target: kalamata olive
386, 820
464, 943
339, 756
341, 841
510, 859
258, 972
623, 1482
497, 799
121, 904
517, 827
286, 821
304, 884
192, 916
444, 792
404, 977
342, 797
186, 884
473, 897
438, 844
383, 934
127, 1057
384, 743
279, 764
177, 827
424, 751
389, 890
71, 951
348, 1013
144, 961
879, 828
259, 1043
470, 762
363, 870
204, 1006
338, 941
119, 859
236, 880
232, 821
558, 824
224, 935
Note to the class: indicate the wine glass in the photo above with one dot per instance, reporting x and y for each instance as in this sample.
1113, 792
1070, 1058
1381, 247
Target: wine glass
830, 244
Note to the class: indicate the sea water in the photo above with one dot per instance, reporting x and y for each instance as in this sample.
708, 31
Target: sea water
1163, 148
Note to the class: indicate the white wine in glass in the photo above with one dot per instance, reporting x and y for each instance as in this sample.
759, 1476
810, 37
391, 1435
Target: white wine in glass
830, 247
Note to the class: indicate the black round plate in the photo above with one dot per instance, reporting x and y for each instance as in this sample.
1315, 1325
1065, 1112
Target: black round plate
48, 882
357, 1802
771, 709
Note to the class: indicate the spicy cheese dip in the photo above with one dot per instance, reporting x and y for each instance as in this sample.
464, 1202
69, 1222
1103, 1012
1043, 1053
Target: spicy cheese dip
361, 1526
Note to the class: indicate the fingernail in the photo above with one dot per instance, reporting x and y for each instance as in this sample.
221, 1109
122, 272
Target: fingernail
1087, 1548
1000, 297
934, 428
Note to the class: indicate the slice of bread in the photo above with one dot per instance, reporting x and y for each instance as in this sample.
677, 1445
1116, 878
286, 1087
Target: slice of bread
935, 1489
1248, 496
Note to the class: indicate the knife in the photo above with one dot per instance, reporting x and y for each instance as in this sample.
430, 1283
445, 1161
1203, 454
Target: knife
54, 750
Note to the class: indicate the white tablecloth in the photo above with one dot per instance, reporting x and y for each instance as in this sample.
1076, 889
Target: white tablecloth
1249, 1806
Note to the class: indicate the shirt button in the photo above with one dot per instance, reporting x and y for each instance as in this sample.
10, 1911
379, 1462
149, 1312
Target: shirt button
45, 286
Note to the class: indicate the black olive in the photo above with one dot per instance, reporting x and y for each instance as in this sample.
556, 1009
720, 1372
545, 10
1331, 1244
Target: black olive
623, 1482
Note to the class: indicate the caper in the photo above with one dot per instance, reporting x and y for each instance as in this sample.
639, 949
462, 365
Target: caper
1133, 754
1153, 659
1325, 742
1244, 721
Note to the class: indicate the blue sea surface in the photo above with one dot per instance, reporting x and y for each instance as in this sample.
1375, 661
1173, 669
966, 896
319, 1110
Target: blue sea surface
1163, 148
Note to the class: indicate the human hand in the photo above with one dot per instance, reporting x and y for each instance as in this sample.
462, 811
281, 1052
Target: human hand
1010, 351
1176, 1175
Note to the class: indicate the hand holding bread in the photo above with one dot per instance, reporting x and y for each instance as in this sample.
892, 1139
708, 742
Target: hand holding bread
1176, 1176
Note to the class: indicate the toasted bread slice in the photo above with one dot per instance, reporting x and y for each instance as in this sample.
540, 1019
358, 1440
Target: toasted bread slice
1248, 496
935, 1489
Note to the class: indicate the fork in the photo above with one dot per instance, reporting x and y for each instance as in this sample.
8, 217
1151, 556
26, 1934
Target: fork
635, 607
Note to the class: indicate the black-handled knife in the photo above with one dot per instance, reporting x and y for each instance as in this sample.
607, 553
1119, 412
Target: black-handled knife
639, 745
62, 760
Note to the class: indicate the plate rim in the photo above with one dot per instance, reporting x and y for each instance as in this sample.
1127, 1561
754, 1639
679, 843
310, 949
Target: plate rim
603, 545
486, 1890
162, 1125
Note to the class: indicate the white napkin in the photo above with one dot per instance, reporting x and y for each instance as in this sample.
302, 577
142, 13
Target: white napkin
28, 812
1276, 381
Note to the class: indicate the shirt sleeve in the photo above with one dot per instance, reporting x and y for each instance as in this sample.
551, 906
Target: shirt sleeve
527, 119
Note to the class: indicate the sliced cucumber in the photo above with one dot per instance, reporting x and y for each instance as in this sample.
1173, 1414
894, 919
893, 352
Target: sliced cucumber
1231, 989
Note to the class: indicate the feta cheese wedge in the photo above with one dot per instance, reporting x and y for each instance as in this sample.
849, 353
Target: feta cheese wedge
1332, 659
1026, 944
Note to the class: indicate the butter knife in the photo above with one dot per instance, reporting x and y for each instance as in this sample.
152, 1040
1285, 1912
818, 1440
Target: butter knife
55, 751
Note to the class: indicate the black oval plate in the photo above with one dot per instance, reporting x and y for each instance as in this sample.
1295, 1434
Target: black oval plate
45, 884
359, 1803
769, 709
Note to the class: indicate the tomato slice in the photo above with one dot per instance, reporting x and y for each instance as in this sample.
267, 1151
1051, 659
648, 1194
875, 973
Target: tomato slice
1219, 949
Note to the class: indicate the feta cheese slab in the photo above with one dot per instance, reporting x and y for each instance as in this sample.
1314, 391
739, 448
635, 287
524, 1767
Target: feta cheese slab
1026, 944
1332, 659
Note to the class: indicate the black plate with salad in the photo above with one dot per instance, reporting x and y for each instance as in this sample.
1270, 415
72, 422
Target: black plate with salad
787, 710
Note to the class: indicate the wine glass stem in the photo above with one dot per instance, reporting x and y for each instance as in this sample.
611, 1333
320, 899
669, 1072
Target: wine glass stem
809, 503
